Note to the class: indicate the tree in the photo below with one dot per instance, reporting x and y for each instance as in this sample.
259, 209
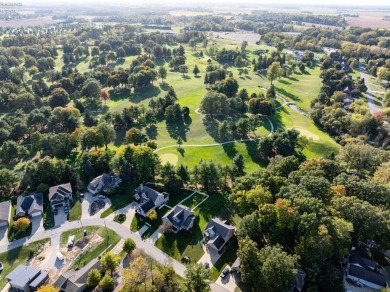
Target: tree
94, 278
162, 73
105, 95
179, 141
110, 262
196, 70
278, 269
22, 224
128, 246
48, 288
183, 69
8, 182
91, 88
107, 283
59, 97
381, 175
195, 279
107, 132
273, 71
135, 136
250, 263
238, 165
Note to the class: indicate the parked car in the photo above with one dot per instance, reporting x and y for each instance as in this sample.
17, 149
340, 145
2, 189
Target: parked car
60, 256
55, 211
225, 271
71, 241
1, 266
102, 197
66, 209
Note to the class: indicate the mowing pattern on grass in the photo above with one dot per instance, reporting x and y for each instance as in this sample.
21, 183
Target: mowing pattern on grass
122, 198
18, 256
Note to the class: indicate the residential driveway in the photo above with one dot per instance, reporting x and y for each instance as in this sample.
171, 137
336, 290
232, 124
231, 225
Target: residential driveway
129, 211
86, 204
61, 217
209, 256
3, 235
37, 224
229, 282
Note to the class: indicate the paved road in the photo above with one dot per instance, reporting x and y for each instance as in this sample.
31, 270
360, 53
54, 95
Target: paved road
371, 102
121, 230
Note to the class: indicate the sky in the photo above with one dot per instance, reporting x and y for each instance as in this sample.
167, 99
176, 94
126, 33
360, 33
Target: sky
199, 2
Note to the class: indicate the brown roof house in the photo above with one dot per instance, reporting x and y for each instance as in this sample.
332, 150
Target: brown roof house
29, 205
5, 213
60, 195
218, 233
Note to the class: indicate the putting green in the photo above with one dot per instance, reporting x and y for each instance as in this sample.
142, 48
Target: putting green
307, 134
169, 157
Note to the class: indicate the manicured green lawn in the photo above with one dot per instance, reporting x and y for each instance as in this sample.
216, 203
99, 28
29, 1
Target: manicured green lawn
138, 222
120, 218
194, 200
75, 211
227, 258
122, 198
17, 256
176, 199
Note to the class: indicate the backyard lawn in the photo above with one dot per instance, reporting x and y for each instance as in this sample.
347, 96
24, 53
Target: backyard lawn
121, 199
138, 222
17, 256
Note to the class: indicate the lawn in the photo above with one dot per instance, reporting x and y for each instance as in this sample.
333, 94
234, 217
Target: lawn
176, 199
187, 243
75, 210
109, 236
194, 200
120, 218
17, 256
227, 258
138, 222
122, 198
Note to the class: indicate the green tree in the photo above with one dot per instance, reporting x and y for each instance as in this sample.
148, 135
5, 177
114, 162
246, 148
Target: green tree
110, 262
93, 278
196, 70
8, 182
107, 132
107, 283
162, 73
135, 136
128, 246
195, 279
273, 71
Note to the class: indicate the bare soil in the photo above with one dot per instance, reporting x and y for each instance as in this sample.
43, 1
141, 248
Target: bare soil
370, 19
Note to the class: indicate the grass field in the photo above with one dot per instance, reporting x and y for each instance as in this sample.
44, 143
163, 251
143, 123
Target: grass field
138, 222
18, 256
75, 211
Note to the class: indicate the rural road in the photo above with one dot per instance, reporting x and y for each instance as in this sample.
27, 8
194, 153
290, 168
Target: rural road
121, 230
371, 102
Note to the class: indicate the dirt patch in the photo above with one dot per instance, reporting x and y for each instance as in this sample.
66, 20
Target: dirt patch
90, 242
42, 255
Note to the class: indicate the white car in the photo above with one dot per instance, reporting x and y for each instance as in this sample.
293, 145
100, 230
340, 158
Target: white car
225, 271
60, 256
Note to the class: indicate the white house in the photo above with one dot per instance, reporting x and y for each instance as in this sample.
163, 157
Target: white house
150, 199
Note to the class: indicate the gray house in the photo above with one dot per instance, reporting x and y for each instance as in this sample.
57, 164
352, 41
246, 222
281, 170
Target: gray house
180, 217
104, 183
29, 205
60, 195
218, 233
5, 213
76, 281
150, 199
26, 278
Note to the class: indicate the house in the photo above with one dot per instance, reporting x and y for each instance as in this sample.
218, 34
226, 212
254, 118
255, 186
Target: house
29, 205
26, 278
104, 183
5, 213
363, 270
181, 218
218, 233
150, 199
76, 281
60, 195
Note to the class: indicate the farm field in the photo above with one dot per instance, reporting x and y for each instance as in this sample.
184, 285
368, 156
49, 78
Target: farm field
372, 19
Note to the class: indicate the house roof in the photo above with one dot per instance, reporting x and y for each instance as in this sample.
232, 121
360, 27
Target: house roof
60, 193
237, 263
367, 275
23, 275
150, 193
38, 280
29, 203
147, 206
5, 208
105, 181
181, 216
363, 262
218, 242
72, 280
219, 227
